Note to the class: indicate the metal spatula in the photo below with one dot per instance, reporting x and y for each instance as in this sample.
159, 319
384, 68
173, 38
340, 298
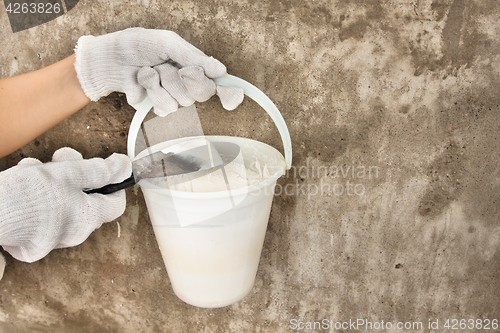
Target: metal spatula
192, 155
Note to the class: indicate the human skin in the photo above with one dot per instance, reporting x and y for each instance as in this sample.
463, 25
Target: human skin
32, 103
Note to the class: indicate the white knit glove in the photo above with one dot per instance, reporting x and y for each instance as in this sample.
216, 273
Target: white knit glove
42, 205
160, 63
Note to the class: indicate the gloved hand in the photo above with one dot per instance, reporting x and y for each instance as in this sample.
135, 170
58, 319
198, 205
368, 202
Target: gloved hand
42, 206
159, 62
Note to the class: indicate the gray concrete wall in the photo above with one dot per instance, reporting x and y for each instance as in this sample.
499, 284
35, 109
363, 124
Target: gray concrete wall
406, 88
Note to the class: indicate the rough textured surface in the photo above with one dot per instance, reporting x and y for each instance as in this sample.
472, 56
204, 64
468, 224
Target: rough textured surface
397, 100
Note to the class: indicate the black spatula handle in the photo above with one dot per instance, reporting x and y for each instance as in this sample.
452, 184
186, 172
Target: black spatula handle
112, 188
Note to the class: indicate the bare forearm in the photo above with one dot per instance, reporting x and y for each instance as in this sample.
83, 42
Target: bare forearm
32, 103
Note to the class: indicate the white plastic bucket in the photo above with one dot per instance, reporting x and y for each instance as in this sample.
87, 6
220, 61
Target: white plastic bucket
213, 263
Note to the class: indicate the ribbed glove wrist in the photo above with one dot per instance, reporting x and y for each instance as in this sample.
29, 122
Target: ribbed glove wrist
98, 77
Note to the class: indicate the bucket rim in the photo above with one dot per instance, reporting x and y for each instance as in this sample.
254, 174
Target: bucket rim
143, 183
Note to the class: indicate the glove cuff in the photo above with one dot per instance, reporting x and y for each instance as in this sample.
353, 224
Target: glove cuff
95, 67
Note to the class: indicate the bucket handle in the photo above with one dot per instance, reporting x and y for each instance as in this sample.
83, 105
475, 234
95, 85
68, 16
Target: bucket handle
228, 80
